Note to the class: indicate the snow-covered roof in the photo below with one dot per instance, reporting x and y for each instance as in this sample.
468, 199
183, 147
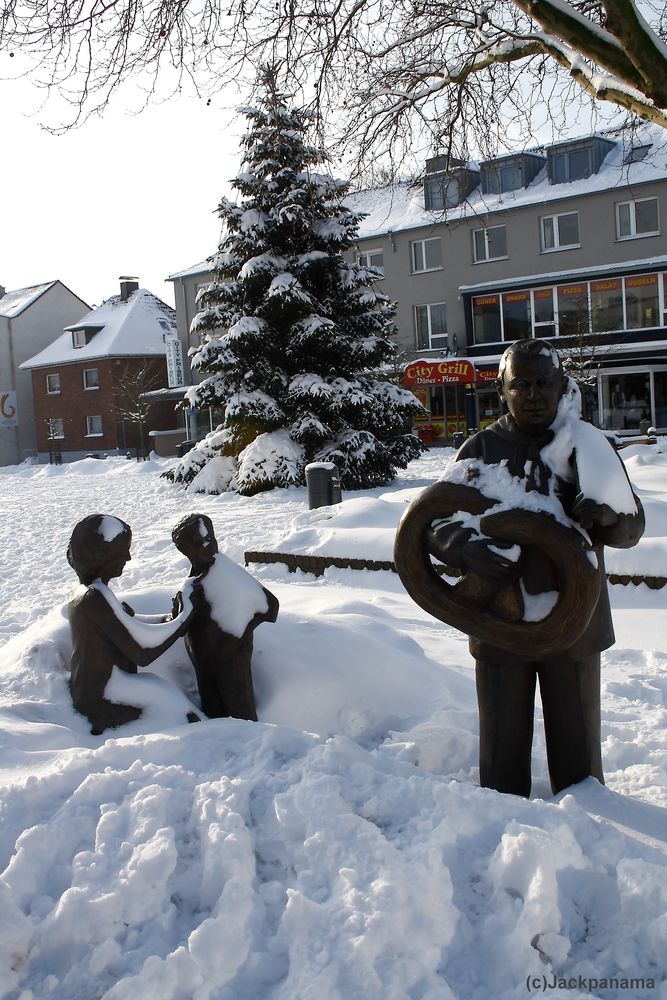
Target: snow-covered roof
12, 304
132, 328
204, 267
401, 206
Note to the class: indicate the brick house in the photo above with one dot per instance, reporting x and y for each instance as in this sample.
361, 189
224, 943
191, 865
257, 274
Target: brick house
30, 318
88, 384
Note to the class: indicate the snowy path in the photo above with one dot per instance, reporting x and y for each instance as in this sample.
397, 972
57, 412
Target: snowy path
340, 849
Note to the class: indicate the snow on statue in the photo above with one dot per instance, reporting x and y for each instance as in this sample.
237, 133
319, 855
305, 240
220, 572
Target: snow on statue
540, 458
291, 331
229, 605
108, 639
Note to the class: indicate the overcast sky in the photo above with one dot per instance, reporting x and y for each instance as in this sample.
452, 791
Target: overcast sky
123, 195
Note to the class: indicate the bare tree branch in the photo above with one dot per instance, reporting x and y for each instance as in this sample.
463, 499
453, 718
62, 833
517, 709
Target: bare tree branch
384, 76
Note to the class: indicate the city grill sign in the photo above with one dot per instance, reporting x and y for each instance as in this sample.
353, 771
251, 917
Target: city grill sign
438, 373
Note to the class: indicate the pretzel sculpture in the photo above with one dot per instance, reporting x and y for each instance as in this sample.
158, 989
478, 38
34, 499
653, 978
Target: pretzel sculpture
478, 607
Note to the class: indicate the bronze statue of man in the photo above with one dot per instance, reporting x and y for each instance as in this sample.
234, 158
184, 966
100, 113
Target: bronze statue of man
531, 383
104, 631
229, 605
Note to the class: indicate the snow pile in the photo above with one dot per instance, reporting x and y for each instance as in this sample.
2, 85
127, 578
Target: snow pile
340, 847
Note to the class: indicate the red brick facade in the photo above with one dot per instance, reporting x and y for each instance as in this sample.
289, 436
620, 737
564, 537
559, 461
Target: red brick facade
78, 407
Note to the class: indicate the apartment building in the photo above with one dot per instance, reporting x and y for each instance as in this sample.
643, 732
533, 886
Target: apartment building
567, 242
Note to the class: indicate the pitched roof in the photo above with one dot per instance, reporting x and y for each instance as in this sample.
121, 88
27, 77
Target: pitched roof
204, 267
135, 327
401, 206
12, 304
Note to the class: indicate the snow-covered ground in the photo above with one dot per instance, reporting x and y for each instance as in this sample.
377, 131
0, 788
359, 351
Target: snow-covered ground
339, 848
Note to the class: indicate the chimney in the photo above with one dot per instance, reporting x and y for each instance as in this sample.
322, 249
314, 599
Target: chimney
127, 286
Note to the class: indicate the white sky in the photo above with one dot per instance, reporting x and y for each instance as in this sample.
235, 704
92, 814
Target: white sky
123, 195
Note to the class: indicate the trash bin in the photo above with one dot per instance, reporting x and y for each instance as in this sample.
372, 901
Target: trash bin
457, 439
323, 484
184, 447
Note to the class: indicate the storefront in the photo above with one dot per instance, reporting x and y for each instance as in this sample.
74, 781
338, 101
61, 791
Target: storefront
458, 397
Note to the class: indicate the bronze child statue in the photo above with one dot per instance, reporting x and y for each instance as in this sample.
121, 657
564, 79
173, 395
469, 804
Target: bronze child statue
106, 633
229, 605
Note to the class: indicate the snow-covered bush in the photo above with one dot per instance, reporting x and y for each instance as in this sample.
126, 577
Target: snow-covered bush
293, 333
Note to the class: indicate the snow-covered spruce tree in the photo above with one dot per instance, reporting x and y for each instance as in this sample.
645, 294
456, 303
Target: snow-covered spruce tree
293, 331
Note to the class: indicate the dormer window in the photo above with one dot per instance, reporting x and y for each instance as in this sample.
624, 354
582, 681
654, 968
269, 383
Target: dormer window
447, 182
509, 173
637, 153
574, 161
83, 335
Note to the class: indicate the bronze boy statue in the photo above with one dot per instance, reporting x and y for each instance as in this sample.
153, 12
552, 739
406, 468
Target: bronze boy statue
229, 606
105, 632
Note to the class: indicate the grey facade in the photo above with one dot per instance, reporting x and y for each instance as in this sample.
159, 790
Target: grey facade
30, 318
582, 261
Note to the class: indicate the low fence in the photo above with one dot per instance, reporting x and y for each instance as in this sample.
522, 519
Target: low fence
316, 565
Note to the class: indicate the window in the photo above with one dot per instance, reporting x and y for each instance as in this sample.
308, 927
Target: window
489, 244
55, 427
431, 326
606, 305
626, 400
572, 165
560, 232
573, 320
84, 334
641, 301
372, 258
91, 378
53, 384
93, 426
637, 153
486, 319
516, 315
637, 218
426, 255
544, 319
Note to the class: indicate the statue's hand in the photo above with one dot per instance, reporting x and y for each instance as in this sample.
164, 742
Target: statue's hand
127, 609
590, 514
479, 557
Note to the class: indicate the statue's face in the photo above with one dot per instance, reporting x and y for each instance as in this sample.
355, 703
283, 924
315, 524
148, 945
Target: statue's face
117, 561
199, 545
532, 388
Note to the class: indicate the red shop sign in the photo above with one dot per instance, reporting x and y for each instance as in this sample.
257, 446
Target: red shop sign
438, 373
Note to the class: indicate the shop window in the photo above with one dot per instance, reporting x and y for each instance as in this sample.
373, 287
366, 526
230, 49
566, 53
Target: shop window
53, 384
489, 244
641, 301
426, 255
372, 258
431, 326
91, 379
607, 305
94, 426
625, 401
660, 398
559, 232
544, 317
637, 218
573, 319
516, 315
486, 319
